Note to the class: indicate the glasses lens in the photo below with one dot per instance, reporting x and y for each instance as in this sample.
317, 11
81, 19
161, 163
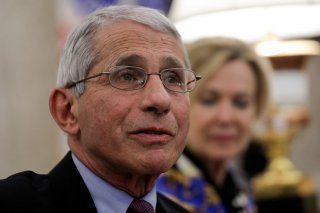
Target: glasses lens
178, 79
127, 77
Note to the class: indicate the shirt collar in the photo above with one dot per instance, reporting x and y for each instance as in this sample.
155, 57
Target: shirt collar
106, 197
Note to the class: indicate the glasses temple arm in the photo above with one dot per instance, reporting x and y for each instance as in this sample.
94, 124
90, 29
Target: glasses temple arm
196, 79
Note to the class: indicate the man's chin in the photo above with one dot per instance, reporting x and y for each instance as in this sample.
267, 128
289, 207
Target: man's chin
157, 168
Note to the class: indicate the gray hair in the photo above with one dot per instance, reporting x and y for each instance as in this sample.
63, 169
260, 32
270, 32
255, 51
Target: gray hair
79, 54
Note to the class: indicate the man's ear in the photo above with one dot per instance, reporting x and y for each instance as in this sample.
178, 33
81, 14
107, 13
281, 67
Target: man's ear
63, 107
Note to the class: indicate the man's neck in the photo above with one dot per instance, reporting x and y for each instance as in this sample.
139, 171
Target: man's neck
107, 197
134, 184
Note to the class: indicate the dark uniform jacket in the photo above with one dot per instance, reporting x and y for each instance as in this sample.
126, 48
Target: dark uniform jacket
62, 190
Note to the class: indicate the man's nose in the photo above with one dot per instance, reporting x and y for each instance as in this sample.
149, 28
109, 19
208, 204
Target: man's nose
156, 98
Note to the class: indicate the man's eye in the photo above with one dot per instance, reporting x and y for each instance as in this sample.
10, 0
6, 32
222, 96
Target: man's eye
126, 76
171, 78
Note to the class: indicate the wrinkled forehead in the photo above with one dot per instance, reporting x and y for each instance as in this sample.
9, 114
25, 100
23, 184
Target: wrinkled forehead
132, 42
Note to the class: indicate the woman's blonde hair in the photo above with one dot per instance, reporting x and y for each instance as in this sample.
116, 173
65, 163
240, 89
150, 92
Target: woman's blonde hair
207, 55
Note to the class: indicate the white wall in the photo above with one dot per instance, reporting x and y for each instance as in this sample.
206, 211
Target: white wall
305, 152
28, 135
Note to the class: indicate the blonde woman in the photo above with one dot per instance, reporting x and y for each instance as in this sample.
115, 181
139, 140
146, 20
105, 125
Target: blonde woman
231, 96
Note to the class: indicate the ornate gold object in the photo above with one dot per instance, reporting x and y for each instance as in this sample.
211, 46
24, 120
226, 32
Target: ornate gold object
282, 180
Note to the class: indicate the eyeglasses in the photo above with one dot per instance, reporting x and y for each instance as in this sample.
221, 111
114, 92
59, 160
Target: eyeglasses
133, 78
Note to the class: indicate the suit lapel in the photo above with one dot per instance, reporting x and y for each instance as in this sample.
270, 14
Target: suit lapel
69, 190
70, 193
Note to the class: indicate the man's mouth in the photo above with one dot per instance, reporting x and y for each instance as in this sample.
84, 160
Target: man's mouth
153, 131
152, 135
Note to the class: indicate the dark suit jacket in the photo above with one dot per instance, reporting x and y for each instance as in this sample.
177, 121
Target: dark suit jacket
62, 190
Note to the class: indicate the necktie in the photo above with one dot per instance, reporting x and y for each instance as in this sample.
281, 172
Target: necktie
140, 206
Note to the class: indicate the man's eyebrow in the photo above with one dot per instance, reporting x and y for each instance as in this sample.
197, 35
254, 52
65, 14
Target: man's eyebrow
135, 59
171, 62
131, 59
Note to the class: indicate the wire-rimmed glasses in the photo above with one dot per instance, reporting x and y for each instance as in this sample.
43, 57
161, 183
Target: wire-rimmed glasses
132, 78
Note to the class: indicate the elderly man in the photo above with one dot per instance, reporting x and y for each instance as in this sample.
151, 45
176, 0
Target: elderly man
122, 99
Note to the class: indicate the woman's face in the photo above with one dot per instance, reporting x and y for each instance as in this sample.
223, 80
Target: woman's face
222, 114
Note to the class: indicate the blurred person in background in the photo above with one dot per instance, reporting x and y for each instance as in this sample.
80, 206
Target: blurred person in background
231, 96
